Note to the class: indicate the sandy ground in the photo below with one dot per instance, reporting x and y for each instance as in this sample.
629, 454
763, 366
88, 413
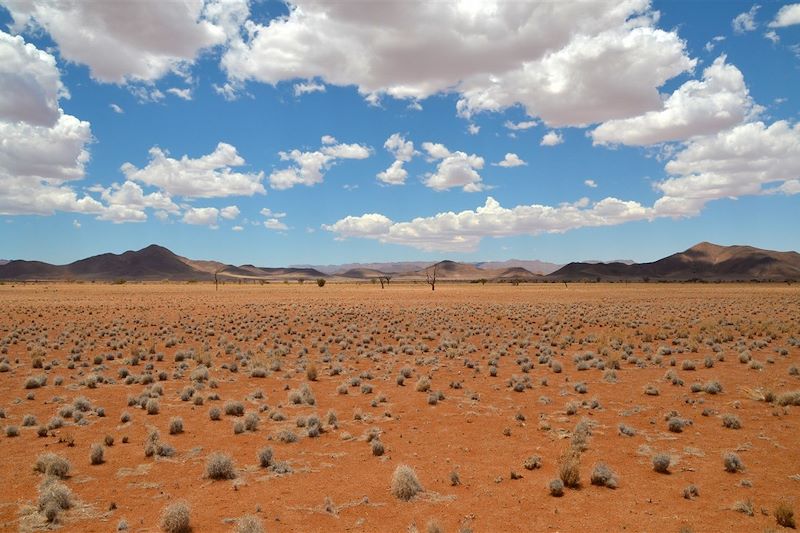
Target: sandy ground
483, 429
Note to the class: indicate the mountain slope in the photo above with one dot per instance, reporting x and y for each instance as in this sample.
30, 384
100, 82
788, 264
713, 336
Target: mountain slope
704, 261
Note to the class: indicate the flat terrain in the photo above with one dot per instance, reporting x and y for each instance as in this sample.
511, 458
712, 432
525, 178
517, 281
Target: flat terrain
511, 373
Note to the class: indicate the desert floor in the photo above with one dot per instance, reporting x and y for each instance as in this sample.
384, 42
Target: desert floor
119, 347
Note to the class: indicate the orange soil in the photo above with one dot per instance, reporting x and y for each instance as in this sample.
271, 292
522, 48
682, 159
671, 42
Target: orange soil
459, 433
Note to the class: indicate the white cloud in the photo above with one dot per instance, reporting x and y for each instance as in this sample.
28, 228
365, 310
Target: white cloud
208, 176
202, 216
116, 108
308, 168
456, 169
590, 183
554, 58
551, 138
41, 148
229, 213
125, 41
524, 125
127, 203
511, 160
275, 224
267, 212
463, 231
737, 162
698, 107
30, 84
788, 15
772, 37
329, 139
394, 175
403, 151
308, 87
184, 94
746, 21
473, 129
237, 228
76, 224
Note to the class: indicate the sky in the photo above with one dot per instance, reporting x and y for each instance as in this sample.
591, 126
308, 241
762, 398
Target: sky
313, 132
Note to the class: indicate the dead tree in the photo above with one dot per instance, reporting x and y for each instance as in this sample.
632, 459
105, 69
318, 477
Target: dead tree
384, 279
216, 281
431, 280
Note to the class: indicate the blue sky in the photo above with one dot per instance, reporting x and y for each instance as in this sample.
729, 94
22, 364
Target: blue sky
633, 130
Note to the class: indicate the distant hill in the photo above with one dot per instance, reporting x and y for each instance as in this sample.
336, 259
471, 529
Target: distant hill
704, 261
407, 267
537, 267
4, 261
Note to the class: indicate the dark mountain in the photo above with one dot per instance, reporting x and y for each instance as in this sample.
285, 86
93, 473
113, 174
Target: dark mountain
4, 261
704, 261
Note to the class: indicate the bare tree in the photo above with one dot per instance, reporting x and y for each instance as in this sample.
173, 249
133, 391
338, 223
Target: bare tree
384, 279
431, 280
216, 281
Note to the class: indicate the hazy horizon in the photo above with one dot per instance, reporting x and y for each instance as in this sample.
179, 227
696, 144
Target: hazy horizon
289, 133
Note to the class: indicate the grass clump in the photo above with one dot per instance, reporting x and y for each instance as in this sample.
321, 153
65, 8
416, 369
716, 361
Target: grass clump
405, 484
603, 476
556, 488
52, 464
731, 421
249, 524
97, 454
54, 497
784, 515
175, 425
569, 468
732, 463
175, 518
265, 456
661, 463
220, 466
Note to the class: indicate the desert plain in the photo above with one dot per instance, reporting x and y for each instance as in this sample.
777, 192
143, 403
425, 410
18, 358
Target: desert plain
664, 407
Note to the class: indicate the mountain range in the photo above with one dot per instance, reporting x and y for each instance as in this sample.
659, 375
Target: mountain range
704, 261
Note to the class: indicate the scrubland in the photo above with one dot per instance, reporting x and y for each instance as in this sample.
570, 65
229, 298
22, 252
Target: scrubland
642, 407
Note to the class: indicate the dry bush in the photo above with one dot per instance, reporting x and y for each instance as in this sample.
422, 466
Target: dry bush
603, 476
220, 466
661, 463
405, 484
784, 515
249, 524
569, 468
175, 518
97, 453
52, 465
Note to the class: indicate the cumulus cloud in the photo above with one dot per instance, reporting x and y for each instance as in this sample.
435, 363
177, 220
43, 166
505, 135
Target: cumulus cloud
590, 183
698, 107
403, 151
116, 109
308, 87
736, 162
275, 224
744, 22
125, 41
209, 176
229, 213
127, 203
511, 160
464, 230
788, 15
42, 149
30, 84
524, 125
551, 138
183, 94
456, 169
553, 58
202, 216
308, 167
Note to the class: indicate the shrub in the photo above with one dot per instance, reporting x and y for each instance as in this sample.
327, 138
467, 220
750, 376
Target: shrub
405, 484
691, 492
676, 424
12, 431
569, 468
54, 497
265, 457
311, 372
214, 413
28, 420
661, 463
626, 430
532, 463
125, 417
249, 524
238, 427
377, 448
455, 479
784, 515
96, 454
152, 406
52, 465
603, 476
234, 408
175, 425
744, 507
732, 463
651, 390
220, 466
731, 421
175, 518
251, 422
556, 487
423, 384
320, 282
